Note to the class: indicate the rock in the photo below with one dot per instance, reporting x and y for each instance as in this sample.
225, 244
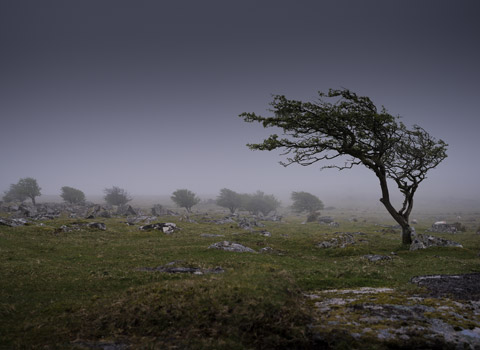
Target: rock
231, 247
325, 220
126, 210
341, 241
274, 218
159, 210
170, 268
210, 235
375, 258
265, 233
443, 227
167, 227
426, 241
97, 225
13, 222
27, 210
225, 220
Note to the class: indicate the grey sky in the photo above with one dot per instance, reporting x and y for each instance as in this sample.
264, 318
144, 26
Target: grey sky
145, 94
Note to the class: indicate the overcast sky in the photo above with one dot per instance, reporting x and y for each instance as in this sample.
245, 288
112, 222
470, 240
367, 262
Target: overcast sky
145, 95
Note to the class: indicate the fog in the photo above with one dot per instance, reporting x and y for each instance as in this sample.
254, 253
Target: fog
146, 96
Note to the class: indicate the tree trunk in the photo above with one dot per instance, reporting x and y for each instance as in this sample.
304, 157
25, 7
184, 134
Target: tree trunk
402, 220
33, 200
407, 234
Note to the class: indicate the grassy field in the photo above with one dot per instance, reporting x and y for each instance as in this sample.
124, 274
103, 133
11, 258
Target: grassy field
81, 289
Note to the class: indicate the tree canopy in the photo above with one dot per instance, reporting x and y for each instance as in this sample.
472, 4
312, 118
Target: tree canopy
185, 199
23, 189
72, 195
116, 196
304, 201
344, 126
260, 203
229, 199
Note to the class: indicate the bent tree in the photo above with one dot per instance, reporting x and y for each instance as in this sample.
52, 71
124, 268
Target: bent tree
349, 128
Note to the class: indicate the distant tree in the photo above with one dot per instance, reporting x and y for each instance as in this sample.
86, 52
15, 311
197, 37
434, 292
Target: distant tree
72, 195
14, 195
304, 201
185, 199
351, 127
260, 203
116, 196
23, 189
229, 199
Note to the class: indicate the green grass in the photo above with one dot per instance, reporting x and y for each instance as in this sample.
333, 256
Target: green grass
65, 290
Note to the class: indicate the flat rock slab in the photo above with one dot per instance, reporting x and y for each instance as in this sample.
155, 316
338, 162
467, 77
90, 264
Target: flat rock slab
174, 268
231, 247
463, 287
384, 318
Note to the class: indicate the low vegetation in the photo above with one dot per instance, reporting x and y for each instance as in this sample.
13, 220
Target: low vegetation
83, 288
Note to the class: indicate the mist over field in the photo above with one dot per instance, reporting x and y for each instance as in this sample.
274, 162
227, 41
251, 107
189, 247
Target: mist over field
146, 96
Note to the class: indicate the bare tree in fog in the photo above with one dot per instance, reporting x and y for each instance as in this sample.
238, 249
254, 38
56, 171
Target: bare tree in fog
116, 196
306, 202
352, 126
229, 199
260, 203
72, 195
185, 199
23, 189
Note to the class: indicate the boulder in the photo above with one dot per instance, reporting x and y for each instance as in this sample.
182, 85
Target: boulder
12, 222
325, 220
231, 247
126, 210
341, 241
375, 257
172, 268
97, 225
427, 241
443, 227
165, 227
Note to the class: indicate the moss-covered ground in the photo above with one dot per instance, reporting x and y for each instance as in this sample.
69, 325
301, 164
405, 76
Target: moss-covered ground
81, 289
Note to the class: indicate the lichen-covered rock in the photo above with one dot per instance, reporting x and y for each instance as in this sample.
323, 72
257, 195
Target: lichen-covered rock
165, 227
231, 247
426, 241
341, 241
375, 257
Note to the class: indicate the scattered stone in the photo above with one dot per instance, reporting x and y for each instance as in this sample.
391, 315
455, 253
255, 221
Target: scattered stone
247, 224
375, 258
426, 241
443, 227
210, 235
167, 227
394, 319
266, 250
171, 268
159, 210
265, 233
325, 220
77, 226
13, 222
334, 224
225, 220
97, 225
126, 210
341, 241
274, 218
231, 247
